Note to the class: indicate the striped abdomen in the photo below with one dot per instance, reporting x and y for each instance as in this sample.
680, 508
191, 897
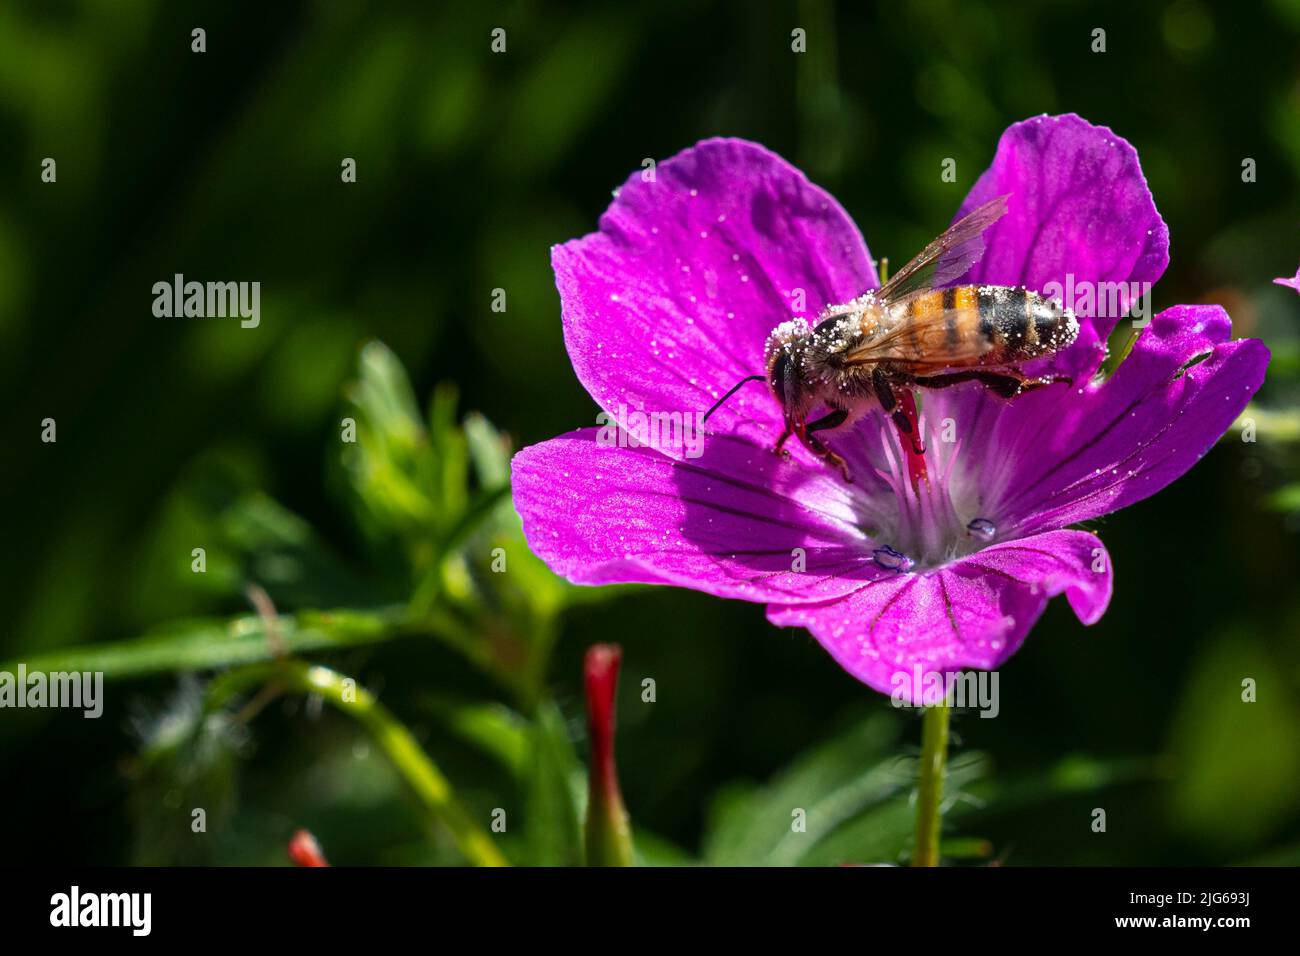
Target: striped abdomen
982, 325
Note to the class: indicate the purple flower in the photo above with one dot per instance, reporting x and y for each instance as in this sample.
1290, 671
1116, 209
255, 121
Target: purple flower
670, 304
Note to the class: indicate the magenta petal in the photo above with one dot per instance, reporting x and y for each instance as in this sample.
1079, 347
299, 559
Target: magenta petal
1079, 207
1293, 283
973, 613
670, 303
727, 523
1069, 457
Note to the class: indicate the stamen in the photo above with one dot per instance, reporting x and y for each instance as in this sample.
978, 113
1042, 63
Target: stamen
921, 516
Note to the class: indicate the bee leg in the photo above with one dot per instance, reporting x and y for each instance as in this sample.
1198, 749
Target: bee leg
1006, 384
1000, 383
884, 390
1029, 384
947, 381
892, 406
818, 447
888, 399
831, 420
780, 442
1011, 384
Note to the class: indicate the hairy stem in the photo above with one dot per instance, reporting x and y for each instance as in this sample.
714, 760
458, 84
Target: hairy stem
426, 781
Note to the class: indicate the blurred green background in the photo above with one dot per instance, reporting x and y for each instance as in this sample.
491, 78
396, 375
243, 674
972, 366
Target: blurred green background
179, 433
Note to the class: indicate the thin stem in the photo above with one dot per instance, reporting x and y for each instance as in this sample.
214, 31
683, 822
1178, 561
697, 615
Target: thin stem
398, 744
929, 791
205, 645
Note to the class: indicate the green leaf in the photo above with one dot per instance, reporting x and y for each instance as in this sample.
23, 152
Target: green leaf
849, 801
283, 554
554, 790
404, 485
489, 726
450, 452
488, 450
653, 850
829, 786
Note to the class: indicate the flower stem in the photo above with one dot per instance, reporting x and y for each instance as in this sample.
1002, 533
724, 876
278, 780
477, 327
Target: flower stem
430, 787
929, 791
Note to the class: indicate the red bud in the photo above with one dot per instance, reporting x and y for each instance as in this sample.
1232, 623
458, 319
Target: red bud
305, 851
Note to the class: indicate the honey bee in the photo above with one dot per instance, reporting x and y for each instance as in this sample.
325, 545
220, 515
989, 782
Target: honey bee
911, 333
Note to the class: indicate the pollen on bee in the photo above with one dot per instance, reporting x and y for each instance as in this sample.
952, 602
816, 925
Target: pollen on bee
785, 334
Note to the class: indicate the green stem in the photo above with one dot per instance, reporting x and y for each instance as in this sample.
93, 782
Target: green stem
211, 644
421, 774
929, 791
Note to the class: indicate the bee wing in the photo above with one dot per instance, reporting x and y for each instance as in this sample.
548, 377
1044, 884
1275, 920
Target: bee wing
947, 258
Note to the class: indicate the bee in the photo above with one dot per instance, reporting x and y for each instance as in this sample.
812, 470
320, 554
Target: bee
915, 332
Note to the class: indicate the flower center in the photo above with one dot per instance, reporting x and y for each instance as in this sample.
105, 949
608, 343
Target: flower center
929, 523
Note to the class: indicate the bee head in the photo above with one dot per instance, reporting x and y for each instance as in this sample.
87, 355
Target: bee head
784, 356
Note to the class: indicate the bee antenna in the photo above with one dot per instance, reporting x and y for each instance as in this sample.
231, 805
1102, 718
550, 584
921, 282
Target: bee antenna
732, 391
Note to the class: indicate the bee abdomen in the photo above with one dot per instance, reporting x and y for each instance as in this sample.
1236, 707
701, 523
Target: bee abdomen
1020, 324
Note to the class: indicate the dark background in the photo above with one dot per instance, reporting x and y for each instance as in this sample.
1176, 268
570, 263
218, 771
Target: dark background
225, 165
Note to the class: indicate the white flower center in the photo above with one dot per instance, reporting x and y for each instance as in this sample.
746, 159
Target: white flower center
935, 523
